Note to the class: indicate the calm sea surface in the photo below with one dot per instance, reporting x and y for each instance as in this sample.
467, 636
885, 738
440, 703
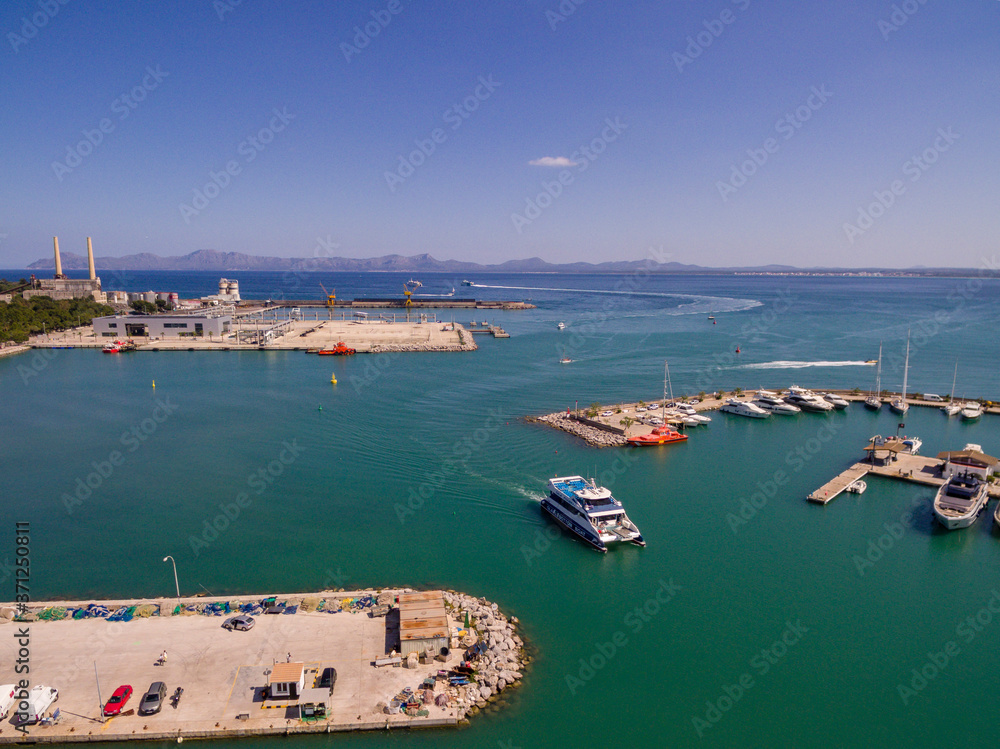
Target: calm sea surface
791, 625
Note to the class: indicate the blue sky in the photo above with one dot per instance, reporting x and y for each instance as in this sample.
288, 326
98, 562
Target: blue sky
322, 136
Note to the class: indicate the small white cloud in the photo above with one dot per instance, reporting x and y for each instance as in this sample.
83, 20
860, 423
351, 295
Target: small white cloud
553, 161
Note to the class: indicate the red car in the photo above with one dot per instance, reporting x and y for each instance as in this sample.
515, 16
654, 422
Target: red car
118, 700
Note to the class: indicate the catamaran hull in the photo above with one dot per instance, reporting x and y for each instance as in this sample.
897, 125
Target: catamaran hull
592, 540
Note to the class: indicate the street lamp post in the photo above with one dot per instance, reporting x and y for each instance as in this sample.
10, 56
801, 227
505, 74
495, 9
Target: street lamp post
176, 584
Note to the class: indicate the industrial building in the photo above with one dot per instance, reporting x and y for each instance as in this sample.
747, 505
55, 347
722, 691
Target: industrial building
215, 322
229, 292
61, 287
423, 623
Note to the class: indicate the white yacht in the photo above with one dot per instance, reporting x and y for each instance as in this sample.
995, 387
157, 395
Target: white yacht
858, 487
773, 402
836, 401
874, 399
561, 326
807, 400
687, 410
590, 512
972, 411
744, 408
952, 408
899, 404
960, 500
908, 445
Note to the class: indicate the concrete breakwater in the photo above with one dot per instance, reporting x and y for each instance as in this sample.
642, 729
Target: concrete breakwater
596, 436
228, 677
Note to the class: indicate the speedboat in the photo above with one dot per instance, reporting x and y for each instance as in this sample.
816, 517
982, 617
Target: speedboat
742, 408
838, 403
972, 411
661, 435
590, 512
807, 400
773, 402
467, 283
561, 326
688, 411
911, 445
960, 500
858, 487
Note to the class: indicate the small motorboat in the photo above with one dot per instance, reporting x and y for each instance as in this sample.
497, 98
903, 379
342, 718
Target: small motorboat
561, 326
111, 348
858, 487
565, 360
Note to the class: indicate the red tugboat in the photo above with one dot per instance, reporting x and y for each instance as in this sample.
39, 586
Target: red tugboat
660, 436
340, 349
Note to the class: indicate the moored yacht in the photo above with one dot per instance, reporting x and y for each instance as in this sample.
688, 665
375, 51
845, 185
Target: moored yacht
688, 411
807, 400
773, 402
972, 411
836, 401
743, 408
590, 512
899, 404
960, 500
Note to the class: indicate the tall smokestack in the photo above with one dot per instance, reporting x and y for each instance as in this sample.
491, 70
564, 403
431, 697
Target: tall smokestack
55, 241
90, 260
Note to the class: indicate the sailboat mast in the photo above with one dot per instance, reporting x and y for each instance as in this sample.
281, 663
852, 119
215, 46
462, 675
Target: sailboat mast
953, 379
906, 366
878, 373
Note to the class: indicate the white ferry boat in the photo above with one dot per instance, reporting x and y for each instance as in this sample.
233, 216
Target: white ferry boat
590, 512
960, 500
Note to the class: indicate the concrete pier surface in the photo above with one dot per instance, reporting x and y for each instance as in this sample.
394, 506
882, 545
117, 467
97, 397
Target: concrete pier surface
223, 673
299, 335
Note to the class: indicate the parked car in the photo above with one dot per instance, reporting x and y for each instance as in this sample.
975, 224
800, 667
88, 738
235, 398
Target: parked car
607, 413
242, 622
327, 679
118, 699
152, 701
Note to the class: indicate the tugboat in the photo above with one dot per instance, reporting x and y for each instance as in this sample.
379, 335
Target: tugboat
340, 349
663, 435
590, 512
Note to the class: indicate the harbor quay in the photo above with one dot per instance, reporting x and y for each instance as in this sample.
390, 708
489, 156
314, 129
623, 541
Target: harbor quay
400, 659
614, 423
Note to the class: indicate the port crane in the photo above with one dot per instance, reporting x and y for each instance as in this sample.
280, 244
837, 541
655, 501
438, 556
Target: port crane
408, 288
331, 299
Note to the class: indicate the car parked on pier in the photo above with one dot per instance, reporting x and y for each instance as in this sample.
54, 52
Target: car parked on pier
118, 699
152, 701
243, 622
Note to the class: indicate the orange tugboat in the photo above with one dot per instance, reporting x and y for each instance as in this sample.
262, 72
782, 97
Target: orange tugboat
340, 349
660, 436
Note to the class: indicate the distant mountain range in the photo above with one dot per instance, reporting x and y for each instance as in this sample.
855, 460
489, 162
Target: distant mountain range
212, 260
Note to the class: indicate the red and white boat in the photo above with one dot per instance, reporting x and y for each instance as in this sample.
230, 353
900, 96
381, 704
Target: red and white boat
112, 348
660, 436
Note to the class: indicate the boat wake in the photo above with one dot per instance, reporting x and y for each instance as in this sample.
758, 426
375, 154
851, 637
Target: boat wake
804, 364
697, 304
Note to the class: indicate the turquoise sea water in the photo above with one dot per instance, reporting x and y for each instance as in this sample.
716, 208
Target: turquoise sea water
420, 470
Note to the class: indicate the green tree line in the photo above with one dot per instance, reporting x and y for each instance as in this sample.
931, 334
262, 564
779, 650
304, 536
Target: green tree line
23, 317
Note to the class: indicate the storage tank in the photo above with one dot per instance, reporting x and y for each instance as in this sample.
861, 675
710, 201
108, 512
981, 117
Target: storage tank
149, 296
234, 289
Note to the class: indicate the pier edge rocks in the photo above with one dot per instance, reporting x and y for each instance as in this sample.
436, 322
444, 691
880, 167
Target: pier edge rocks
501, 666
591, 435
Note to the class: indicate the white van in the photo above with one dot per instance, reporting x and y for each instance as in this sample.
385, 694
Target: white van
7, 699
40, 699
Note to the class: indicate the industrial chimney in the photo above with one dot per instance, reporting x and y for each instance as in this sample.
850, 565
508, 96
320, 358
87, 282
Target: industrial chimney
90, 260
59, 273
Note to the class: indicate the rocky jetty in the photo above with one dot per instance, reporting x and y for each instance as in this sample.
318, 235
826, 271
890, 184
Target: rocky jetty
465, 344
592, 435
500, 665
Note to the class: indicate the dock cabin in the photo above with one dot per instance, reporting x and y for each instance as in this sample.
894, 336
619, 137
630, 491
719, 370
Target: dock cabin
970, 460
286, 680
423, 623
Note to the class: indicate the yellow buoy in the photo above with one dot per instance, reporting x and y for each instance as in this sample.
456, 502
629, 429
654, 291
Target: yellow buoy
333, 378
154, 384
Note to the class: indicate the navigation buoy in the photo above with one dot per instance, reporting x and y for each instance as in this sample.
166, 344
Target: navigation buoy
333, 378
320, 408
737, 349
154, 384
